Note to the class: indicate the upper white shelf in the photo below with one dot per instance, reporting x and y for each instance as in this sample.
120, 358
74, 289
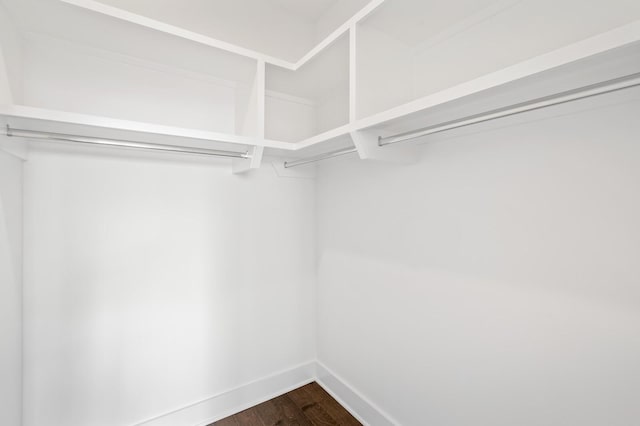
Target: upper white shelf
609, 55
392, 66
602, 57
40, 119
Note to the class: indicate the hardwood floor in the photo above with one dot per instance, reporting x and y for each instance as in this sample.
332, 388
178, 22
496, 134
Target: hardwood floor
308, 405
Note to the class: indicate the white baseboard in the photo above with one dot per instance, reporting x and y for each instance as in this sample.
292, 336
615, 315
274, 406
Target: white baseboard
207, 411
360, 407
235, 400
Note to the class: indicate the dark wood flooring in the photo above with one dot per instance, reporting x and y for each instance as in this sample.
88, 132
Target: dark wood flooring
308, 405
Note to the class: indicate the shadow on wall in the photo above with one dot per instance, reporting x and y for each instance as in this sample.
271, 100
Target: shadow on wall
473, 350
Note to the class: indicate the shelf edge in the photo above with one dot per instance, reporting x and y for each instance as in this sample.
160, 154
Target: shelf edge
27, 112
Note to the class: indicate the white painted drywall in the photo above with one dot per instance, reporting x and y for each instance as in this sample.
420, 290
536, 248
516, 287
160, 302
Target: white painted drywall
495, 282
10, 290
384, 71
10, 60
289, 119
75, 78
153, 284
522, 31
333, 109
6, 97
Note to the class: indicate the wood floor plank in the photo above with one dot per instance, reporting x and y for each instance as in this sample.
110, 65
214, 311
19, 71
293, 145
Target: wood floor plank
309, 405
228, 421
271, 414
293, 415
311, 409
337, 411
249, 418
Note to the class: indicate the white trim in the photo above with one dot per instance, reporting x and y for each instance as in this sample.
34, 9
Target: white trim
353, 401
234, 400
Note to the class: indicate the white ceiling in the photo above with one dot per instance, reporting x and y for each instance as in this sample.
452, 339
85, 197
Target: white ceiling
311, 10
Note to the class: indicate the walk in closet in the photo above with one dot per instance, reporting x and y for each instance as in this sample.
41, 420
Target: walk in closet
386, 212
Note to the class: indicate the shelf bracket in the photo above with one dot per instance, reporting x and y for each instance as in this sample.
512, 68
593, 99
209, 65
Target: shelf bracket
367, 144
241, 165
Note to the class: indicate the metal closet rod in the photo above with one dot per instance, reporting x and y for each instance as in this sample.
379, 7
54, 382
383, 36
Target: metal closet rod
325, 156
121, 143
584, 92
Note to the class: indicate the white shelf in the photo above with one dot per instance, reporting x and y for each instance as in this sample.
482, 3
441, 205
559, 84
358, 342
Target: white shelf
597, 58
606, 56
40, 119
609, 55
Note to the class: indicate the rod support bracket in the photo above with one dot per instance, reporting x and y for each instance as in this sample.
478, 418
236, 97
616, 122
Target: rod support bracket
367, 143
252, 161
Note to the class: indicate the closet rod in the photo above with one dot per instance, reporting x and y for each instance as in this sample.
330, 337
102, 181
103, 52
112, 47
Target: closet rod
121, 143
584, 92
337, 153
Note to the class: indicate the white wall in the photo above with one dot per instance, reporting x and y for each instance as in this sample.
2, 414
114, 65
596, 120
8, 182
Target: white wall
10, 290
333, 109
153, 284
384, 70
70, 77
289, 119
527, 29
10, 60
496, 281
6, 96
293, 119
